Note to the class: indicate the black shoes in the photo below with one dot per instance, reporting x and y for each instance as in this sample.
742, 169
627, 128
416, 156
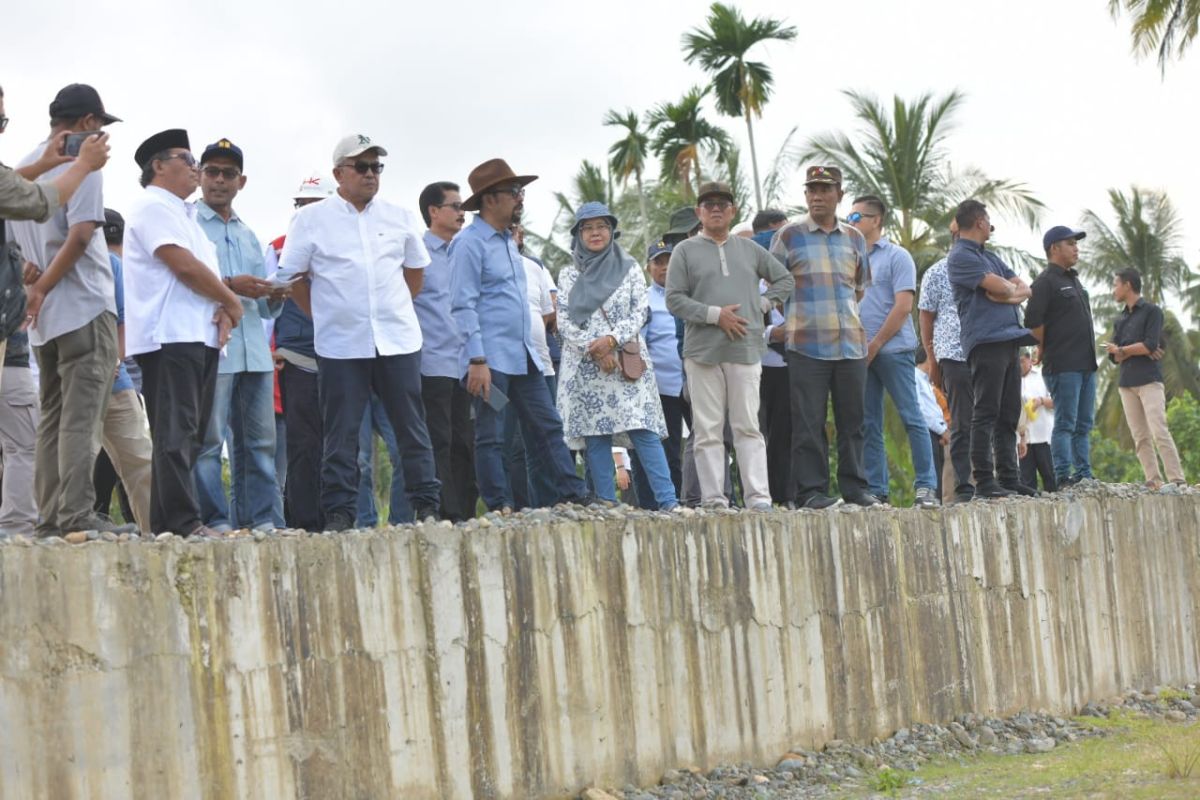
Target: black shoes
338, 521
817, 502
991, 490
1021, 489
862, 499
423, 513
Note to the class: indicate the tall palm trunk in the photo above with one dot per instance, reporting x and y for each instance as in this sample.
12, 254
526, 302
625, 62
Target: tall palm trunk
637, 174
754, 160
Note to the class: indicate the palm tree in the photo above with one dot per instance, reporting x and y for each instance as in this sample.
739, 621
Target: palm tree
627, 157
1162, 25
901, 156
682, 136
742, 87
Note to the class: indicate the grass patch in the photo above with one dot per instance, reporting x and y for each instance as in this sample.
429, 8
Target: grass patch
1139, 758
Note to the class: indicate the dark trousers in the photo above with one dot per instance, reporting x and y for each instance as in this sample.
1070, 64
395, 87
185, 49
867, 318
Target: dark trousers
105, 479
530, 396
1039, 460
960, 396
345, 390
996, 384
813, 382
178, 384
775, 421
531, 481
675, 410
305, 440
939, 459
452, 435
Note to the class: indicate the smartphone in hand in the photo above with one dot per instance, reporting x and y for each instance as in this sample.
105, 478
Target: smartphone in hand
74, 141
497, 399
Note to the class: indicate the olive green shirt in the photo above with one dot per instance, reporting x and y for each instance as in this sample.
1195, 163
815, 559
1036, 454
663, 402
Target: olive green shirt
22, 199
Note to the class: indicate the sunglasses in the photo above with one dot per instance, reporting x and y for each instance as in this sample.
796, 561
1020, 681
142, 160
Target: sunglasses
3, 123
455, 206
363, 167
855, 216
515, 191
228, 173
715, 205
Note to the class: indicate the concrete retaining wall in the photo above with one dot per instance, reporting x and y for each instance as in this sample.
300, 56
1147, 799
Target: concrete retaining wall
533, 661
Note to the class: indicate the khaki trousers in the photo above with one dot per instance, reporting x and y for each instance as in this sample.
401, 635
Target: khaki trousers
1146, 413
18, 437
127, 441
76, 376
717, 389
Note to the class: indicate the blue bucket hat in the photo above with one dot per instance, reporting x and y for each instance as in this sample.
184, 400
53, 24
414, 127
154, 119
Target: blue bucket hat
593, 210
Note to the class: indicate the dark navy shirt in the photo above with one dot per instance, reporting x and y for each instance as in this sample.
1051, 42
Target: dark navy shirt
1142, 324
982, 320
294, 330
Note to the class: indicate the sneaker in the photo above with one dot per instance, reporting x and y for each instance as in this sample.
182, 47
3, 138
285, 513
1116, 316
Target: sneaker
426, 514
762, 506
202, 531
817, 502
1022, 489
102, 523
991, 490
865, 499
963, 497
926, 498
338, 521
265, 527
221, 527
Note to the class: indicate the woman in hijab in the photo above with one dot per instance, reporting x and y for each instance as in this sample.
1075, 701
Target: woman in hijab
602, 307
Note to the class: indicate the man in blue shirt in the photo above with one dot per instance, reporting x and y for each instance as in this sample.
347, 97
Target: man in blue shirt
245, 373
447, 404
988, 293
487, 283
886, 313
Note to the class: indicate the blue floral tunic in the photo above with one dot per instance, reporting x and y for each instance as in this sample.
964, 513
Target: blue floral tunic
590, 401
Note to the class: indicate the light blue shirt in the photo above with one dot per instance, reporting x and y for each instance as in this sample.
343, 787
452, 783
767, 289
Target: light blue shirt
441, 351
122, 381
489, 299
239, 253
662, 344
892, 271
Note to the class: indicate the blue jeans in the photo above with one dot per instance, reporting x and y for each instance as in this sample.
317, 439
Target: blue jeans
530, 396
244, 405
651, 456
399, 511
280, 467
895, 372
1074, 395
530, 478
346, 387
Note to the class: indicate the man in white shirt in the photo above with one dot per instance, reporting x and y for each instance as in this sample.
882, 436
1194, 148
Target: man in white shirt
1039, 414
364, 259
72, 325
178, 314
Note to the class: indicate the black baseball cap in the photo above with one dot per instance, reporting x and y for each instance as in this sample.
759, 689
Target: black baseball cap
114, 227
226, 149
79, 100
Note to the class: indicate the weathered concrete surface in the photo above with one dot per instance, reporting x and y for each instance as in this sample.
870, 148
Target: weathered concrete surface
527, 662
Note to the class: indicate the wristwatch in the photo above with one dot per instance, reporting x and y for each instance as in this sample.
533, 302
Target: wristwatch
478, 361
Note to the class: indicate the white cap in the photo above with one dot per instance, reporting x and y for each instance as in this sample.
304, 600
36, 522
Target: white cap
314, 186
354, 145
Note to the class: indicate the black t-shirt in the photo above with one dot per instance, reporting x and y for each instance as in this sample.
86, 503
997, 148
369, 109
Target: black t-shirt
1060, 303
1141, 324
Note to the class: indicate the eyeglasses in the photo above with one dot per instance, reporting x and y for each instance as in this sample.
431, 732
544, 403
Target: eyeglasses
187, 158
515, 191
855, 216
594, 227
455, 206
3, 123
363, 167
228, 173
715, 205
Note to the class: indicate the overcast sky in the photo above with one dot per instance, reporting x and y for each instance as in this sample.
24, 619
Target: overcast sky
1054, 96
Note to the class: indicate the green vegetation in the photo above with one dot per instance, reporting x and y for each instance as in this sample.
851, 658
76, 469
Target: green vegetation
1164, 27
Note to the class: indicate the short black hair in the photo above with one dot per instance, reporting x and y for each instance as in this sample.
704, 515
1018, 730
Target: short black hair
434, 195
1132, 277
767, 218
148, 170
874, 203
968, 213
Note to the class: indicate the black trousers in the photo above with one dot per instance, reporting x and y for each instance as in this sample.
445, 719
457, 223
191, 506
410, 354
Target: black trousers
345, 390
996, 384
939, 459
675, 411
302, 416
813, 382
104, 480
178, 384
775, 421
452, 435
1039, 461
960, 396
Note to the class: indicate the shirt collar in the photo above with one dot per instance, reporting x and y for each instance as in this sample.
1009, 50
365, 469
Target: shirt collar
1141, 301
485, 229
703, 235
169, 197
970, 244
434, 242
206, 212
349, 207
882, 244
812, 227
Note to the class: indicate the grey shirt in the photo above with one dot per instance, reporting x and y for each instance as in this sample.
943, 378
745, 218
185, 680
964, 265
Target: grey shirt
86, 291
703, 277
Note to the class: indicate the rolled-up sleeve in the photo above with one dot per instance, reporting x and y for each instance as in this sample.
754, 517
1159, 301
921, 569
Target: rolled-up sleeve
22, 199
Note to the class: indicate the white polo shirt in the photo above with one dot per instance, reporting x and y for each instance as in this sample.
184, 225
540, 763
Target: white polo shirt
360, 302
159, 308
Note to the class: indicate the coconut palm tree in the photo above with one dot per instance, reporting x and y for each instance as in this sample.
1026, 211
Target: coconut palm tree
1162, 25
742, 87
901, 155
682, 137
627, 157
